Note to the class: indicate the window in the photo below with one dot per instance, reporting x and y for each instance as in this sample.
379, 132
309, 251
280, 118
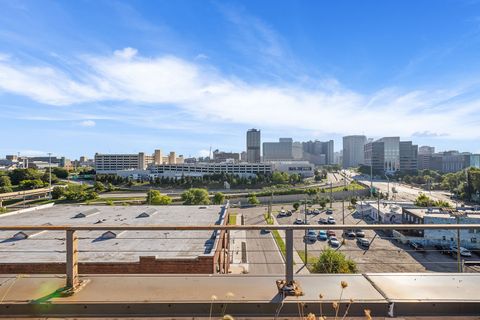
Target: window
474, 240
444, 238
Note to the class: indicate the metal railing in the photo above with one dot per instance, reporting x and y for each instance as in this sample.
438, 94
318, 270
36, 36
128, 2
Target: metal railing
72, 239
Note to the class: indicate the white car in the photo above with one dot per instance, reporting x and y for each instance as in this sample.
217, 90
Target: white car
463, 252
331, 220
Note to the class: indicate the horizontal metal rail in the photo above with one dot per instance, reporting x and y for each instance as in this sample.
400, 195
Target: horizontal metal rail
242, 227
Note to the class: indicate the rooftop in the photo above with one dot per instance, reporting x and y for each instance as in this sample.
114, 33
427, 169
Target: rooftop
109, 246
398, 295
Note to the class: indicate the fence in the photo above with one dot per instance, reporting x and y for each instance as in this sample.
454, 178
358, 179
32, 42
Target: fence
72, 244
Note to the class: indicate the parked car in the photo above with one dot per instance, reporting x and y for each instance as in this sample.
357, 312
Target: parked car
359, 233
463, 252
316, 211
289, 213
311, 236
330, 233
443, 249
282, 213
298, 221
333, 241
417, 246
322, 235
329, 211
349, 234
363, 242
331, 220
322, 221
264, 231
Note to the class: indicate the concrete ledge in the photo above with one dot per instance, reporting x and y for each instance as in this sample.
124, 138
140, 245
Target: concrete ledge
238, 295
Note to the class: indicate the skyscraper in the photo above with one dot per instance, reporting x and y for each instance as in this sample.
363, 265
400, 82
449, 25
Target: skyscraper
281, 150
253, 145
353, 151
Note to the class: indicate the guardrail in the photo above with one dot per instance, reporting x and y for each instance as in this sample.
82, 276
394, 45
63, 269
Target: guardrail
288, 286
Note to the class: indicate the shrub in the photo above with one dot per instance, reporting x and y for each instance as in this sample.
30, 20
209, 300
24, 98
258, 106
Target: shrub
331, 261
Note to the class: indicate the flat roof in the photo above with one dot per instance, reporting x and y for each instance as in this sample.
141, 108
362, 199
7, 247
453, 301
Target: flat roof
117, 246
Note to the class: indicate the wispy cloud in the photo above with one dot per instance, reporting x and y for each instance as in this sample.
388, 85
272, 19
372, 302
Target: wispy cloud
202, 92
88, 123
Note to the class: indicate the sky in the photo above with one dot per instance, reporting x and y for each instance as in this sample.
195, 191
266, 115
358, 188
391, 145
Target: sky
79, 77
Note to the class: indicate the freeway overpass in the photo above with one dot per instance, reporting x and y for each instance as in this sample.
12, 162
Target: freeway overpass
24, 194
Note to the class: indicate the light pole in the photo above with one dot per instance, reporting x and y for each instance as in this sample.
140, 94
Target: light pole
50, 175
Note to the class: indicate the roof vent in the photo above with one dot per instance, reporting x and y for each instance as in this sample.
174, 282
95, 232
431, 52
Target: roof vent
25, 234
148, 213
87, 213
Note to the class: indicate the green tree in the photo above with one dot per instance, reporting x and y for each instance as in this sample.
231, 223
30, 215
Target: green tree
280, 177
331, 261
296, 205
18, 175
252, 199
218, 198
61, 173
156, 198
57, 192
195, 196
31, 184
46, 178
110, 187
98, 186
5, 184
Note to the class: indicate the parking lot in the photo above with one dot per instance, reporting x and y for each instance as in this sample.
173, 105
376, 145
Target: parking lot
384, 254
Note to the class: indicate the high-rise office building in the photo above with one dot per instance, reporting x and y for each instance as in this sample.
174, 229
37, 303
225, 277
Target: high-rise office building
253, 145
375, 155
319, 152
353, 151
408, 156
281, 150
389, 155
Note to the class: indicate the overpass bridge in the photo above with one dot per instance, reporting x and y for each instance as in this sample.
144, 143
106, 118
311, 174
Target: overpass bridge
24, 194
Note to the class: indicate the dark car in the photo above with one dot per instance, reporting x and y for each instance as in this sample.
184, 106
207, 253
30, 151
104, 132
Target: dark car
349, 234
264, 231
329, 211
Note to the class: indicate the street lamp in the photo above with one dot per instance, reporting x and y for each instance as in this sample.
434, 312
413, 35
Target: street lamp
50, 175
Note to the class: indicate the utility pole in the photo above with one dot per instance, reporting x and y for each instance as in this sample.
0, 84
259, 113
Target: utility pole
371, 179
331, 194
459, 257
305, 236
50, 175
343, 198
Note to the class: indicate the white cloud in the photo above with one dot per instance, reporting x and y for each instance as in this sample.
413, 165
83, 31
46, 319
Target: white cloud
127, 53
201, 91
88, 123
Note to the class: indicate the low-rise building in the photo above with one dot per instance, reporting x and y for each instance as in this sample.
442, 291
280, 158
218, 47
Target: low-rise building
469, 239
380, 212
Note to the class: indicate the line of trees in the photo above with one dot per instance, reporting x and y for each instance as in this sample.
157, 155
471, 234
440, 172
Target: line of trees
211, 181
27, 179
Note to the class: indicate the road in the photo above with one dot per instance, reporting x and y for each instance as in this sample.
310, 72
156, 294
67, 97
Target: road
263, 255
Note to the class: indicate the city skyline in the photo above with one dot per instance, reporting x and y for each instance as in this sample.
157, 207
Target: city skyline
190, 76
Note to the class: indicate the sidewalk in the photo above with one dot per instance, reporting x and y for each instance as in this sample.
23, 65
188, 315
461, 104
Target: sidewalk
238, 255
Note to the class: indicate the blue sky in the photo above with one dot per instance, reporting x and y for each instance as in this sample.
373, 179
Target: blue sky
79, 77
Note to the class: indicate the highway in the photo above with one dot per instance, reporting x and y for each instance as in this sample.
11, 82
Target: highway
404, 192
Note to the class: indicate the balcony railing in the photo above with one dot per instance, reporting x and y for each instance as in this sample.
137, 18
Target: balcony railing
72, 246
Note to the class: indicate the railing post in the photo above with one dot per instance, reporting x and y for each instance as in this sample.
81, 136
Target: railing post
289, 256
72, 260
